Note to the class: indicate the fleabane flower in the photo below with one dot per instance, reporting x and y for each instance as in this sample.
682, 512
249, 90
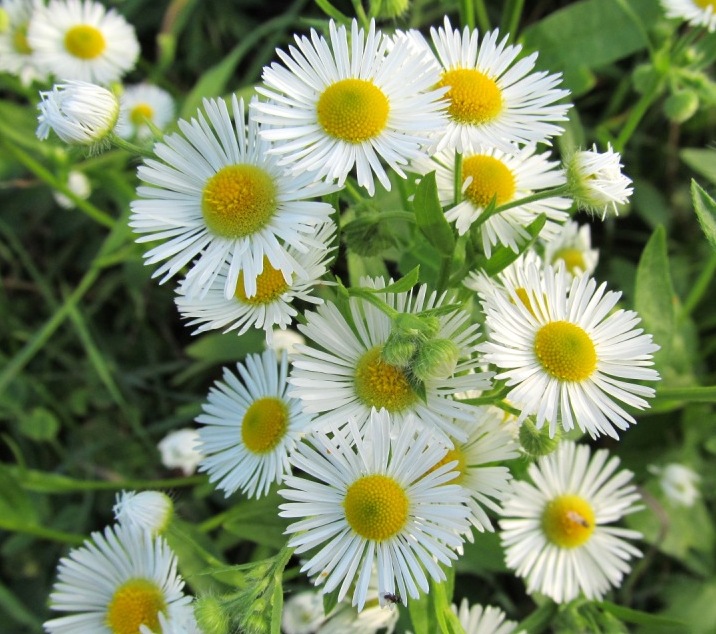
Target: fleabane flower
695, 12
117, 582
341, 374
78, 112
271, 306
141, 105
82, 40
596, 181
488, 173
480, 619
555, 531
16, 55
567, 356
494, 98
144, 510
678, 482
250, 426
572, 245
178, 450
335, 105
217, 195
374, 499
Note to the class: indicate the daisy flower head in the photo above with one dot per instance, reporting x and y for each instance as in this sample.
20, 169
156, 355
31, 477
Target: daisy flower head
341, 374
488, 173
272, 305
250, 426
79, 184
376, 500
568, 357
596, 181
494, 98
82, 40
178, 450
573, 246
478, 471
679, 483
144, 510
349, 102
78, 112
695, 12
115, 583
141, 105
555, 531
16, 54
485, 285
217, 194
480, 619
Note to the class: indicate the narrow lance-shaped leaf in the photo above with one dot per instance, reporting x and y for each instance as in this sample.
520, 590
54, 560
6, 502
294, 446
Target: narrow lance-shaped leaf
705, 208
430, 218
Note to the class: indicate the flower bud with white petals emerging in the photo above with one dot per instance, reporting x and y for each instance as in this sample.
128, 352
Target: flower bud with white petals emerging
435, 359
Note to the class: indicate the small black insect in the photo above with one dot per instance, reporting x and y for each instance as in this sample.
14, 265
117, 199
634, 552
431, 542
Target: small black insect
392, 598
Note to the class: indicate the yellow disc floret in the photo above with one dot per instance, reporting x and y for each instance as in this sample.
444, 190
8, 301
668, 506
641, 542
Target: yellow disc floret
379, 384
473, 97
85, 41
136, 602
353, 110
141, 113
19, 41
566, 351
270, 285
238, 201
573, 259
491, 178
264, 424
460, 468
376, 507
568, 521
705, 4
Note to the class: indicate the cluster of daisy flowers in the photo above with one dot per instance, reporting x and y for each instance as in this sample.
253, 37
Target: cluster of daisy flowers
378, 428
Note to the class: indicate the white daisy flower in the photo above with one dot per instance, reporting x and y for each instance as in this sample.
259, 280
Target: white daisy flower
144, 510
695, 12
678, 482
217, 194
483, 620
494, 99
596, 181
178, 450
344, 376
338, 105
78, 184
80, 39
285, 339
116, 582
250, 426
573, 246
487, 174
488, 442
142, 104
375, 500
566, 355
555, 532
78, 112
16, 55
272, 305
302, 613
485, 285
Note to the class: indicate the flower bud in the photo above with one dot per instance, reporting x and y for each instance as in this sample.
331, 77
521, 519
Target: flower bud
146, 510
387, 9
399, 350
680, 106
436, 359
536, 442
211, 617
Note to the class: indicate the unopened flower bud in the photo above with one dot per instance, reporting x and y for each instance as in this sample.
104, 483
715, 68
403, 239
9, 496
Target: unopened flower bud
436, 359
536, 442
387, 9
211, 616
681, 106
399, 350
145, 510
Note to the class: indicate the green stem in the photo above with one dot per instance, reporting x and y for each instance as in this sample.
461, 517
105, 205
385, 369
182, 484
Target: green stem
636, 114
548, 193
700, 286
361, 14
132, 148
51, 534
696, 394
444, 274
373, 299
511, 16
457, 178
55, 183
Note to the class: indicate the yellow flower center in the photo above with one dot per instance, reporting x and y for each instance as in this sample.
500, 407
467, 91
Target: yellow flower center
379, 384
136, 602
525, 299
85, 41
19, 41
353, 110
491, 178
568, 521
238, 200
270, 285
376, 507
460, 468
566, 351
473, 97
705, 4
141, 113
572, 258
264, 424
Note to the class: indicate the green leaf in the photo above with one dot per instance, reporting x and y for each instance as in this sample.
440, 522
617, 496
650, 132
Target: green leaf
637, 616
422, 615
16, 508
705, 208
330, 600
40, 424
701, 160
654, 293
402, 285
14, 609
430, 218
